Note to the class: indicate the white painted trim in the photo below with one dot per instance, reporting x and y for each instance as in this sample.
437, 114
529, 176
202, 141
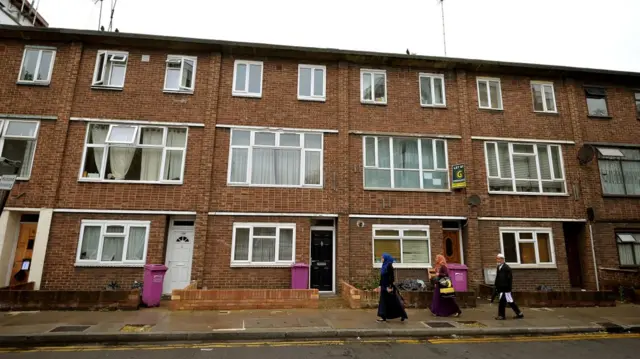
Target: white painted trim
40, 50
182, 59
398, 134
529, 140
123, 211
544, 99
272, 128
390, 216
245, 91
40, 248
534, 231
432, 76
401, 238
141, 122
267, 214
487, 80
373, 72
531, 219
170, 247
18, 209
251, 226
103, 224
459, 230
109, 265
313, 97
333, 255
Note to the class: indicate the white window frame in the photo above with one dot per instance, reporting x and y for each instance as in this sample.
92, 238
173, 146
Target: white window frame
611, 154
420, 169
252, 145
35, 80
245, 92
313, 68
433, 89
251, 226
373, 72
401, 228
181, 59
103, 224
628, 238
487, 80
542, 85
135, 144
534, 231
554, 177
118, 58
4, 125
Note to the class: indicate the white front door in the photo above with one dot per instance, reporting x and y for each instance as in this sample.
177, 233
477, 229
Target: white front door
179, 254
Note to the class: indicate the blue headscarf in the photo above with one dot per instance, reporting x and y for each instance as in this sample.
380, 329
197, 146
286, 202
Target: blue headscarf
386, 260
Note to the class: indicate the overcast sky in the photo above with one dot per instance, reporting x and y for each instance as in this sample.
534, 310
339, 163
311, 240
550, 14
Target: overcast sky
583, 33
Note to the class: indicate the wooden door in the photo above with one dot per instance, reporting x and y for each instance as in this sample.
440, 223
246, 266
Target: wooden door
24, 251
451, 246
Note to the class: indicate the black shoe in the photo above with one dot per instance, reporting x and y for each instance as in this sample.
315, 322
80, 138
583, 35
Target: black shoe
457, 315
500, 318
519, 316
403, 319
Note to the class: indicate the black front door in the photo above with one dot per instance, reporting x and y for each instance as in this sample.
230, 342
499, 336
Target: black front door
322, 260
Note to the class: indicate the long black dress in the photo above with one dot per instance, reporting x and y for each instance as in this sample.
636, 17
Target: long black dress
390, 306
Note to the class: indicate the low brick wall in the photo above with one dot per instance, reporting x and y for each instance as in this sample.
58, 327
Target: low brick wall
558, 299
24, 286
357, 298
235, 299
24, 300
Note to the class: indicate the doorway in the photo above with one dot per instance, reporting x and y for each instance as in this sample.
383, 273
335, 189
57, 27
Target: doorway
452, 242
179, 255
574, 240
24, 250
322, 271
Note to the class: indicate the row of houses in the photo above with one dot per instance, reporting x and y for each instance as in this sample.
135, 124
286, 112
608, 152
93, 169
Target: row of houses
229, 162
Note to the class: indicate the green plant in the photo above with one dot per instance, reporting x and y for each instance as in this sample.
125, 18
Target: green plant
372, 281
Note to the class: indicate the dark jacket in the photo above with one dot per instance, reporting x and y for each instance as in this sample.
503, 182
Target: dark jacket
388, 278
504, 279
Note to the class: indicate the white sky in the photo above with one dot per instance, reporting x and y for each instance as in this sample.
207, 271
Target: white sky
584, 33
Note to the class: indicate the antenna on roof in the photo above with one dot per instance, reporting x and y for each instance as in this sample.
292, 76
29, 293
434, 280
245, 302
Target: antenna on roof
444, 37
100, 18
35, 12
113, 8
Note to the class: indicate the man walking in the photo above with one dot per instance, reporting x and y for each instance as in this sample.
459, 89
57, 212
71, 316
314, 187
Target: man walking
503, 284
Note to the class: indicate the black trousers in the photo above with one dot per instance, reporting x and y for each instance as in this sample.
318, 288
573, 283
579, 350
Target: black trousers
503, 304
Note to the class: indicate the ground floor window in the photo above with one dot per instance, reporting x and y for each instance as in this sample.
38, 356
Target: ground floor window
112, 243
527, 246
408, 244
628, 249
263, 244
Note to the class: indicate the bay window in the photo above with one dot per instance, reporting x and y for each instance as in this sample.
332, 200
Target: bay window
18, 143
405, 163
619, 170
527, 246
409, 245
263, 244
112, 243
524, 168
266, 158
134, 153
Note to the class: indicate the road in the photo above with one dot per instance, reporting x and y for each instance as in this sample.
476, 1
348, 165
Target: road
592, 347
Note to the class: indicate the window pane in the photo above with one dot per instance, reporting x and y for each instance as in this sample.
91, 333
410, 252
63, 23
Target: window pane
391, 246
523, 148
112, 248
135, 246
415, 252
305, 82
426, 97
435, 180
369, 151
405, 153
553, 187
318, 82
241, 77
173, 78
264, 250
527, 253
45, 63
313, 165
151, 136
543, 159
377, 178
177, 137
625, 251
544, 249
240, 138
93, 162
406, 179
290, 139
239, 161
611, 177
483, 96
29, 65
555, 162
255, 78
491, 159
172, 165
537, 97
384, 152
313, 141
285, 250
415, 233
117, 75
366, 87
438, 91
276, 166
387, 232
526, 235
90, 242
549, 98
428, 161
441, 155
503, 157
496, 96
21, 129
631, 172
114, 229
525, 167
265, 138
379, 81
125, 134
241, 251
597, 106
509, 245
98, 134
264, 231
638, 105
187, 74
18, 150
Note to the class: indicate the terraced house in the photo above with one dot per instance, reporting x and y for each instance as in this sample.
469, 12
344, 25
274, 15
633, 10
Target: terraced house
229, 162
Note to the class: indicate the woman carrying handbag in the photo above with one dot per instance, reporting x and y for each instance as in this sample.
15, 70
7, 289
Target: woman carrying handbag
444, 301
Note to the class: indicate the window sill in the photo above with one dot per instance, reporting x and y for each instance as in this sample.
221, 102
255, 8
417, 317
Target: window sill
405, 266
261, 265
249, 95
273, 186
440, 107
85, 180
373, 103
487, 109
312, 99
544, 113
107, 88
531, 194
599, 117
26, 83
179, 92
532, 266
407, 190
621, 196
109, 265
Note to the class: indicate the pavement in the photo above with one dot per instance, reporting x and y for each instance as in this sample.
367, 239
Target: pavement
160, 324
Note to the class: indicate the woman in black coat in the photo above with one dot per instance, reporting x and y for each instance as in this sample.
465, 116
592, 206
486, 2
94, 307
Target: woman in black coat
391, 305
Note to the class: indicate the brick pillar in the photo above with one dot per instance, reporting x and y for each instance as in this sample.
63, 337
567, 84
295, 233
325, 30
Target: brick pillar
343, 270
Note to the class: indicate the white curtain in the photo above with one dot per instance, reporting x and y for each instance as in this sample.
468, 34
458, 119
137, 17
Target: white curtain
121, 158
98, 136
112, 248
631, 171
276, 166
285, 250
239, 161
611, 177
173, 160
90, 242
312, 168
264, 250
135, 247
405, 157
625, 250
151, 157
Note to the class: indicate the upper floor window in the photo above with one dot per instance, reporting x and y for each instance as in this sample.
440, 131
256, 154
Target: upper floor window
544, 98
524, 168
18, 143
312, 82
263, 244
265, 158
247, 78
527, 247
112, 243
432, 90
489, 93
628, 249
37, 65
111, 67
619, 170
181, 73
637, 95
408, 244
373, 86
134, 153
405, 163
596, 101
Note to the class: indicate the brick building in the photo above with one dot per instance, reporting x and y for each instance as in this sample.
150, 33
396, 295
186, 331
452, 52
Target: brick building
228, 162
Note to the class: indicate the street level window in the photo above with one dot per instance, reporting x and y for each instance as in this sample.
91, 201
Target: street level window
432, 92
373, 86
628, 249
312, 82
637, 97
409, 245
112, 243
247, 78
596, 101
544, 98
489, 93
37, 65
527, 247
263, 244
619, 170
110, 70
18, 143
180, 74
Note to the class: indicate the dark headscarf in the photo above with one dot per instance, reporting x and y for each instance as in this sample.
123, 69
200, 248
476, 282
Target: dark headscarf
386, 260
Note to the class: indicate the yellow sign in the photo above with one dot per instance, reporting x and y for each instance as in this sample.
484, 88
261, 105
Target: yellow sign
459, 177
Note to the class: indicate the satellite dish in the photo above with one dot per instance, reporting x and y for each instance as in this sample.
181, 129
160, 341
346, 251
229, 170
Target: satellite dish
474, 200
586, 154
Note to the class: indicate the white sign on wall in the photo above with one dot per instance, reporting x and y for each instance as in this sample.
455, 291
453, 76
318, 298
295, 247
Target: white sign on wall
7, 181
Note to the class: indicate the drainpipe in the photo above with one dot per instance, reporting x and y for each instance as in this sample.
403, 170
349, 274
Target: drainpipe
593, 252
